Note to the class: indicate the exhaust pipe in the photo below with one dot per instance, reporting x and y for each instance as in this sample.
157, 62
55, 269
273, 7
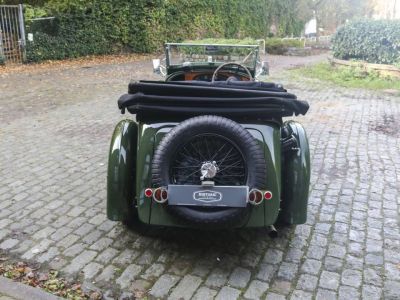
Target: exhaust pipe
272, 232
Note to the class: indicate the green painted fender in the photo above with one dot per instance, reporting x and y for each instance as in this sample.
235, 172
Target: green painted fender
296, 177
121, 171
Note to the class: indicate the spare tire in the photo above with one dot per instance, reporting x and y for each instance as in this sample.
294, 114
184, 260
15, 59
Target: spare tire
182, 152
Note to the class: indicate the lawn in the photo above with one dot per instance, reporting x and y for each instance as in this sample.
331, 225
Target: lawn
353, 77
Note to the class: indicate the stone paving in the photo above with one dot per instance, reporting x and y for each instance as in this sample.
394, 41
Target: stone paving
54, 138
5, 297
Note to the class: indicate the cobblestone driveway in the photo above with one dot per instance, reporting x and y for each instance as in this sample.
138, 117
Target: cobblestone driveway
54, 135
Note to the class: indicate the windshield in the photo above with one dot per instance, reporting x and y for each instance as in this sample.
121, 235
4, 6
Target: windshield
178, 54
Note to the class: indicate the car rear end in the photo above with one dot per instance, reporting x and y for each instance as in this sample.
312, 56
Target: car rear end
228, 198
209, 155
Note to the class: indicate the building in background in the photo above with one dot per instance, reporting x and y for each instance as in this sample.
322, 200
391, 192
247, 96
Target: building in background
386, 9
310, 29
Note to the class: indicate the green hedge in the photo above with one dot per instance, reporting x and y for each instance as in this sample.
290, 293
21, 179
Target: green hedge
64, 38
244, 41
280, 46
224, 51
106, 26
272, 45
372, 41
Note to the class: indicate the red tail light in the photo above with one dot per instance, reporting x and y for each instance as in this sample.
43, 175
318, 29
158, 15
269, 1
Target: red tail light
160, 195
164, 195
157, 195
267, 195
148, 192
255, 197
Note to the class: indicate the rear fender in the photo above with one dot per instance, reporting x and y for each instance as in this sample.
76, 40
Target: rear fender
121, 171
296, 177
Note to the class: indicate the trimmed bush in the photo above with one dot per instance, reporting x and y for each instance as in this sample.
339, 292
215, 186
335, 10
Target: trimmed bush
245, 41
280, 46
371, 41
111, 26
221, 51
64, 37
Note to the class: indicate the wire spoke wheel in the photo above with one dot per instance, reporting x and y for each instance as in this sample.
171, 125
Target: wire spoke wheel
209, 148
212, 149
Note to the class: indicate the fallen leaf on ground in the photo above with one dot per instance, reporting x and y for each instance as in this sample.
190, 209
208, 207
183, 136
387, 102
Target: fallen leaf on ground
50, 282
82, 62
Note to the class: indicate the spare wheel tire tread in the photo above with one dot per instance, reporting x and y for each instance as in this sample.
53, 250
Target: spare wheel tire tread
250, 148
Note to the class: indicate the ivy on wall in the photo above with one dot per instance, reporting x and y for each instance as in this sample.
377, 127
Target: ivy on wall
106, 26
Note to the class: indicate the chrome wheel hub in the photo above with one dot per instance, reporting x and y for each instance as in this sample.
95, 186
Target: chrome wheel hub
208, 170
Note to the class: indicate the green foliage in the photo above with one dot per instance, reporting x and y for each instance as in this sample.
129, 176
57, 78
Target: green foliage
245, 41
280, 46
107, 26
2, 61
31, 12
372, 41
64, 37
355, 77
222, 50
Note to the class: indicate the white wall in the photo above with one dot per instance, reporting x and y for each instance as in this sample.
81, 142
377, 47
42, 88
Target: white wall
310, 27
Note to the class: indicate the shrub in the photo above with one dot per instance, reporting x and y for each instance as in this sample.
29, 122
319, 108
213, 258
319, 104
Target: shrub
65, 38
110, 26
280, 46
371, 41
224, 51
2, 60
31, 12
245, 41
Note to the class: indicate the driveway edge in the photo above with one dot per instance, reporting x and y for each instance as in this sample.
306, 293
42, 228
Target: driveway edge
22, 291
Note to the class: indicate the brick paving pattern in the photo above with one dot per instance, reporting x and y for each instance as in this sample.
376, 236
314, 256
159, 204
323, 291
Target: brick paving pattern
54, 140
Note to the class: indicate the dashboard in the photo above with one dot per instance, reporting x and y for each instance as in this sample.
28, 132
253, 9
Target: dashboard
207, 76
221, 76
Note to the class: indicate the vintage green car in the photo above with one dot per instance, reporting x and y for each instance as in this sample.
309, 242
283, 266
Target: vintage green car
208, 147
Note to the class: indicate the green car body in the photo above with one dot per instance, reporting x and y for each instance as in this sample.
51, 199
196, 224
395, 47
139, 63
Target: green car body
134, 143
131, 151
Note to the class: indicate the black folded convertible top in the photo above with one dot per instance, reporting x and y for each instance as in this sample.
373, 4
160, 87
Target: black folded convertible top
236, 99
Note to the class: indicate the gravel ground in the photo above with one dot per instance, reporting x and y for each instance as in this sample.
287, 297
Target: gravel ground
279, 63
54, 138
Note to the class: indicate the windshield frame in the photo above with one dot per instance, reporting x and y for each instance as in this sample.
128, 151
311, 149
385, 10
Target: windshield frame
252, 48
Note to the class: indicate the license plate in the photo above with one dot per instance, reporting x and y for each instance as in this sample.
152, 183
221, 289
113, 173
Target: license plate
197, 195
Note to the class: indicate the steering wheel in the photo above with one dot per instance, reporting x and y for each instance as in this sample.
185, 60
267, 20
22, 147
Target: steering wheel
233, 64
